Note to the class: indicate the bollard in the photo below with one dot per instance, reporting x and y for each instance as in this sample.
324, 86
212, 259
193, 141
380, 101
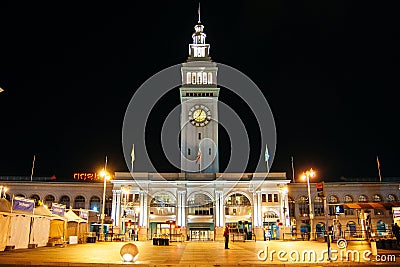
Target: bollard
373, 247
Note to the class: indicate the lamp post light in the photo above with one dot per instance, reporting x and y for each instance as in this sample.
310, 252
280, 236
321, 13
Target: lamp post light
105, 176
307, 175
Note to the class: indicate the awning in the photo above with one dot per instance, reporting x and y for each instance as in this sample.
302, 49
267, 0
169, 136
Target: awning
372, 205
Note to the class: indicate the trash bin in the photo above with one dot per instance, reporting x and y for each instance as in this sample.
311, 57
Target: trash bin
155, 241
166, 242
91, 239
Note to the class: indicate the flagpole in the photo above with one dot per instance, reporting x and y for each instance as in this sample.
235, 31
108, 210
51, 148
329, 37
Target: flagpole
293, 171
379, 169
33, 166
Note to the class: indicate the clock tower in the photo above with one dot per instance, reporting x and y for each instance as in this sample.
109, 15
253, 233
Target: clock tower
199, 114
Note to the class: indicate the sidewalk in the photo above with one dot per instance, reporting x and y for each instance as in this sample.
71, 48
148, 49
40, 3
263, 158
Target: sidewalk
180, 254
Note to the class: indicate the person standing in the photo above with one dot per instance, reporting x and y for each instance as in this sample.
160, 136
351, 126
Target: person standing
226, 236
396, 232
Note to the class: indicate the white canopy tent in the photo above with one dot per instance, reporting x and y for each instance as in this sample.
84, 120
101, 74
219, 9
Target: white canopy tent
76, 226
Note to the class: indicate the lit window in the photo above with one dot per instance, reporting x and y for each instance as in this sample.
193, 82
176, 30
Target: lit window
348, 199
392, 198
193, 77
204, 78
199, 78
189, 78
209, 80
377, 198
362, 198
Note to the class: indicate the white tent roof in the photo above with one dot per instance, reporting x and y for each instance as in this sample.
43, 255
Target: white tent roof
72, 217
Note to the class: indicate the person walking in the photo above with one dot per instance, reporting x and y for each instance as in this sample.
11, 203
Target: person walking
226, 235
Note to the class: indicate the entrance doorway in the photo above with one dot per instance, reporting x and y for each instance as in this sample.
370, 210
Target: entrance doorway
200, 234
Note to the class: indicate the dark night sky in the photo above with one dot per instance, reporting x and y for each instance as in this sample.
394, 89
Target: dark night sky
329, 70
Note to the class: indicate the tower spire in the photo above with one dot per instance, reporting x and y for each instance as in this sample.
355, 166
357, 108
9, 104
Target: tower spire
198, 11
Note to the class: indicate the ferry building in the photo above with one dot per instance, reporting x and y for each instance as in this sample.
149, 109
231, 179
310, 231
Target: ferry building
198, 202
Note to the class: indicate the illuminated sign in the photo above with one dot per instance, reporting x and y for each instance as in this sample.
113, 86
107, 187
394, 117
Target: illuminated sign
87, 176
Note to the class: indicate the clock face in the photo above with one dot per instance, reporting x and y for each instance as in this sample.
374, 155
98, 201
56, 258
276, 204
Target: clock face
199, 115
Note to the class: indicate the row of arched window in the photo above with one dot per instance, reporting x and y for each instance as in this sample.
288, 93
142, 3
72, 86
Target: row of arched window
349, 199
78, 203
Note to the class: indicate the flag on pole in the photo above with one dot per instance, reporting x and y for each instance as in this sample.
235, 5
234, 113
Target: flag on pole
267, 157
379, 168
133, 154
198, 156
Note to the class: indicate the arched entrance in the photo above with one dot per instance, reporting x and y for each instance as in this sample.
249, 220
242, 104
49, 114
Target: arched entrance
200, 217
238, 216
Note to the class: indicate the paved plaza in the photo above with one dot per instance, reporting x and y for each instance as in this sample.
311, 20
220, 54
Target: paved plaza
195, 254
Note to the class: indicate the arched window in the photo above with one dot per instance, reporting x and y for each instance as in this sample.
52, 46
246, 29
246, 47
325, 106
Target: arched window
36, 198
362, 198
377, 198
79, 202
48, 200
391, 198
332, 200
318, 206
108, 206
163, 204
95, 203
237, 204
65, 200
19, 195
291, 207
200, 204
8, 197
348, 199
303, 206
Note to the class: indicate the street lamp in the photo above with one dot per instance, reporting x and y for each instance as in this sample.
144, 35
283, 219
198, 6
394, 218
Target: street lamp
307, 175
105, 176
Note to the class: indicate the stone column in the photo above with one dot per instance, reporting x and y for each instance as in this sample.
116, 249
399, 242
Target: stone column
114, 208
219, 215
143, 218
118, 208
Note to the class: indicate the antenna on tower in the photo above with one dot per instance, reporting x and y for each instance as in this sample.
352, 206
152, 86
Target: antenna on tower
198, 11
